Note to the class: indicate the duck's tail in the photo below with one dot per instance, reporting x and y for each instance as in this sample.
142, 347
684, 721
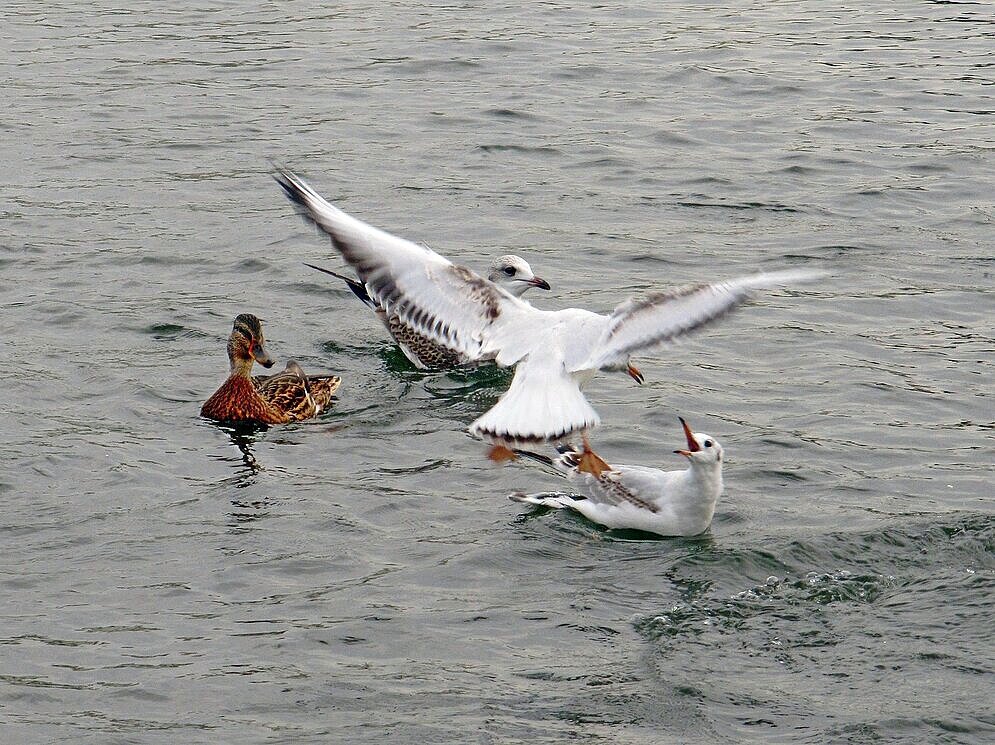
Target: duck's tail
322, 388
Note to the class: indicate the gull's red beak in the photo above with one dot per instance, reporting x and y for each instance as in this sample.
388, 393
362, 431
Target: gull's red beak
693, 447
538, 282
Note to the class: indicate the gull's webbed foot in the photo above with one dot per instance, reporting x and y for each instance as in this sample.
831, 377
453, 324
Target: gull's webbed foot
590, 462
501, 454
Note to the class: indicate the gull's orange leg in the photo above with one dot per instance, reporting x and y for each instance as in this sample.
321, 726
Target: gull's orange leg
501, 453
590, 462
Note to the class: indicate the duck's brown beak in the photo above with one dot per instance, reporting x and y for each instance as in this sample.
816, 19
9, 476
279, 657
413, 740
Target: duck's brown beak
538, 282
260, 355
693, 446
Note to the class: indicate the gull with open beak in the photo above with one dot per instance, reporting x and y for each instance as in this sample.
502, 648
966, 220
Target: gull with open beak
669, 503
554, 353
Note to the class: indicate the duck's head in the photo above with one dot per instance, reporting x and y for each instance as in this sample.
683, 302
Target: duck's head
514, 274
246, 343
702, 449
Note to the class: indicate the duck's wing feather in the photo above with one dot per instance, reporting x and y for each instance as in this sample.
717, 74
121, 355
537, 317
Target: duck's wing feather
288, 391
664, 317
447, 303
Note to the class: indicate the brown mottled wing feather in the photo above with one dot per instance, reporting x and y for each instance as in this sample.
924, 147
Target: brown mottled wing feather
289, 391
286, 392
430, 355
448, 304
323, 388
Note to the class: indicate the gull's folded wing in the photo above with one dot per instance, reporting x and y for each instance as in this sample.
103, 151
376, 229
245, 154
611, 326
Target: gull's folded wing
636, 485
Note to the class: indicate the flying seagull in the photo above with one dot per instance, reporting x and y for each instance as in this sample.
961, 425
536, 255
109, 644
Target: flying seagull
554, 353
511, 273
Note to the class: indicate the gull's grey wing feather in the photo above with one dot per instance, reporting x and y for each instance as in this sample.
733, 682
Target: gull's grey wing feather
447, 303
666, 316
636, 485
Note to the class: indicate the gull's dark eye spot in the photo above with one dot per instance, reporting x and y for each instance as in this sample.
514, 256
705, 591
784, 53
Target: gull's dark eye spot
510, 271
708, 443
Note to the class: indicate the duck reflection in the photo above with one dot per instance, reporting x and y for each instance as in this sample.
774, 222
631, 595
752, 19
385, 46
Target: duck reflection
243, 436
247, 467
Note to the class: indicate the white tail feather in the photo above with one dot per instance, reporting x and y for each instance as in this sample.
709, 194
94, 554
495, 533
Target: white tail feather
542, 499
542, 403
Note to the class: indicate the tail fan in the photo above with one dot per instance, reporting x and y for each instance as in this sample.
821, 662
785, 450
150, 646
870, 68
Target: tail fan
323, 388
543, 403
555, 500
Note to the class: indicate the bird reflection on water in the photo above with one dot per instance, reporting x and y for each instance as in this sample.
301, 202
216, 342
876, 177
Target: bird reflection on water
243, 436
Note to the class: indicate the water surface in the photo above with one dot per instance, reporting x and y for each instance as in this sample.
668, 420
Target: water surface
362, 577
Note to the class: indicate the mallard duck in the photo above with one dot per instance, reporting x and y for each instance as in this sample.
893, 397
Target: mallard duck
288, 396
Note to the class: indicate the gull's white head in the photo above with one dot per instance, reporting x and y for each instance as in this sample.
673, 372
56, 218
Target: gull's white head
514, 274
702, 450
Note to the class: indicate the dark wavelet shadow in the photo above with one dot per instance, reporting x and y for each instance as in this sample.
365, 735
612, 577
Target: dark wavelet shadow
243, 436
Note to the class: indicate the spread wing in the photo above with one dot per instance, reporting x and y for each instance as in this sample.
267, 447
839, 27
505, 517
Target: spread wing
666, 316
447, 303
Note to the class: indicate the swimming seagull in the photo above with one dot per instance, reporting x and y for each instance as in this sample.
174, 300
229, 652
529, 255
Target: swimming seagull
670, 503
511, 273
554, 352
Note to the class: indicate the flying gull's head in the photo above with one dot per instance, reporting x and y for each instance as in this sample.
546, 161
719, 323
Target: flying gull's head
514, 274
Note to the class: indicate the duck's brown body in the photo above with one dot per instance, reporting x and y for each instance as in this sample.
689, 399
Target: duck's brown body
288, 396
238, 400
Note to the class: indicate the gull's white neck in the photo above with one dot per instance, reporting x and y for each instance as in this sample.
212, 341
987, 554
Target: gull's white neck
708, 476
697, 490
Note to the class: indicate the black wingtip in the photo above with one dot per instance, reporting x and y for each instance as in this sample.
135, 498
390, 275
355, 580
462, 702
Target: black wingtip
535, 456
286, 179
358, 288
328, 271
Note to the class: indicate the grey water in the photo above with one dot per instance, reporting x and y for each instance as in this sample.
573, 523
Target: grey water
362, 577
